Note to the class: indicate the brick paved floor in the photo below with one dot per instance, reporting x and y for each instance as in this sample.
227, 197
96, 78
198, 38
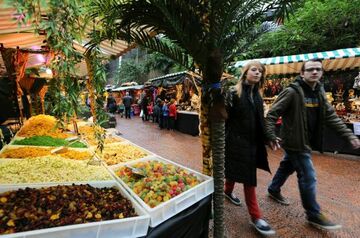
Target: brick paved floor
338, 185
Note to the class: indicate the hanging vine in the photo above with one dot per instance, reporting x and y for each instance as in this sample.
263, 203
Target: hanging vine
62, 23
96, 87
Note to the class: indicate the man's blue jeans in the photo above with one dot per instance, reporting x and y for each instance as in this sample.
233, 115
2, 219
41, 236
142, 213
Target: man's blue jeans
301, 163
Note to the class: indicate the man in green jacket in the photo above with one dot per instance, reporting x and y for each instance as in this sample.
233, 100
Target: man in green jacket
304, 111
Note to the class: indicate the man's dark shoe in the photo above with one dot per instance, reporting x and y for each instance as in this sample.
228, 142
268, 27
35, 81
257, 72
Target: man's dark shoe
278, 197
232, 198
321, 222
263, 227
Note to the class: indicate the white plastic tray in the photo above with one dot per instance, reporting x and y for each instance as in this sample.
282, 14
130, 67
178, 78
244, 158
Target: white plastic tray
126, 142
167, 209
126, 227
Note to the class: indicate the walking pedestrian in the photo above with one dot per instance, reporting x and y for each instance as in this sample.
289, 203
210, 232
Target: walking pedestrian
245, 141
144, 103
127, 101
111, 104
304, 111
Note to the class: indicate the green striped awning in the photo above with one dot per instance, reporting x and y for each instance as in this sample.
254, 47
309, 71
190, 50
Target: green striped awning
341, 59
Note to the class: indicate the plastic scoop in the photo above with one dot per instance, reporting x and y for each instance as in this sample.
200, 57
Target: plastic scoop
72, 138
63, 149
135, 171
94, 161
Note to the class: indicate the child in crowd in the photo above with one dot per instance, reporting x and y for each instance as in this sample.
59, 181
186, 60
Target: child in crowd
150, 111
172, 114
156, 111
165, 115
121, 109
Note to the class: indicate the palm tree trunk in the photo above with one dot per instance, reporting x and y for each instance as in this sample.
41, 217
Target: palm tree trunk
216, 118
205, 138
218, 154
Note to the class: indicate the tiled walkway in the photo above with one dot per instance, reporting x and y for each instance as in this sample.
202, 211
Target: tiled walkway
338, 185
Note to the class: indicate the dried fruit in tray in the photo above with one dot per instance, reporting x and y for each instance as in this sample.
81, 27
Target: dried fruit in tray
41, 125
31, 209
50, 169
119, 153
33, 152
161, 182
47, 141
87, 132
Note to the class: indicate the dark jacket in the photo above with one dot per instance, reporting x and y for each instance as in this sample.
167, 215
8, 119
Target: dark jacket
245, 142
290, 105
127, 101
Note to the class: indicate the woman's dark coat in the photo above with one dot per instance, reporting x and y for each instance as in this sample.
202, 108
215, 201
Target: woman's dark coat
245, 140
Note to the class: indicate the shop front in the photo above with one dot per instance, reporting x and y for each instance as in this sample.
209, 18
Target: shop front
134, 91
184, 87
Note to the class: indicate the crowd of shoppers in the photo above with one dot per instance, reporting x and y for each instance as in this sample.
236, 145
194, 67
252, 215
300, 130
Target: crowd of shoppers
162, 112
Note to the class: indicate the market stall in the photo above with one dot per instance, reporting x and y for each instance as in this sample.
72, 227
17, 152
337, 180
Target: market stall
134, 91
341, 68
65, 178
184, 87
153, 195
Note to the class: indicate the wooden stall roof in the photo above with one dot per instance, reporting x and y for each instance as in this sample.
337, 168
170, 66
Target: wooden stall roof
13, 34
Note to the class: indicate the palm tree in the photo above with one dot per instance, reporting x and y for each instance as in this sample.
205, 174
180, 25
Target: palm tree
203, 33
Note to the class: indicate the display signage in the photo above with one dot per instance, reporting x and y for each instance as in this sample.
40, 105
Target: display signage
356, 128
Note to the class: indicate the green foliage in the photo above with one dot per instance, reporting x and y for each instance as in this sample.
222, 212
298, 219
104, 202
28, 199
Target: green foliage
201, 32
64, 24
131, 71
98, 82
160, 62
317, 26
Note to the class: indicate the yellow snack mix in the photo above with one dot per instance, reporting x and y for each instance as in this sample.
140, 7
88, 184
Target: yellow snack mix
24, 152
87, 132
41, 125
33, 152
119, 153
50, 169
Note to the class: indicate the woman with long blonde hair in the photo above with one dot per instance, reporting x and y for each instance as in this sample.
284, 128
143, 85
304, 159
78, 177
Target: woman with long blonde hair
245, 140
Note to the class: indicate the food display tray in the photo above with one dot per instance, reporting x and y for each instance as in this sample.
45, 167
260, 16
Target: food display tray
170, 208
126, 227
126, 142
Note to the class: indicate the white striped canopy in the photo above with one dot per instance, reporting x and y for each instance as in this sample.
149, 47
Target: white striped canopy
342, 59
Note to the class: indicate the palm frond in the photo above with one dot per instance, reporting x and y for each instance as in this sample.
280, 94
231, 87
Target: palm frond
251, 14
179, 20
159, 44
